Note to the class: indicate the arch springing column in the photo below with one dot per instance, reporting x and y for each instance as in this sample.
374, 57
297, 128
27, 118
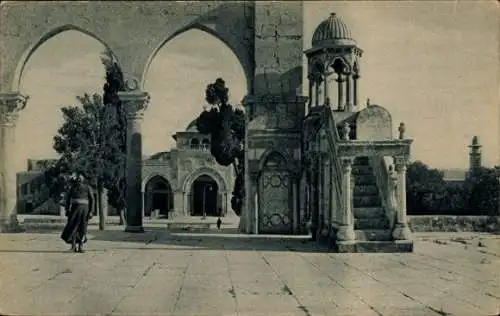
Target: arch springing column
135, 103
10, 106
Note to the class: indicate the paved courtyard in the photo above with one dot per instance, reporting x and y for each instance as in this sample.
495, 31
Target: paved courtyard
187, 273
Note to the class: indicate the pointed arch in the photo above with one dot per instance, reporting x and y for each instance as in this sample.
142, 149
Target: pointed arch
339, 64
274, 159
221, 182
208, 30
16, 82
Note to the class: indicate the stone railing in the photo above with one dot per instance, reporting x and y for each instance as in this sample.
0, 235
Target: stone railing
332, 140
381, 148
383, 169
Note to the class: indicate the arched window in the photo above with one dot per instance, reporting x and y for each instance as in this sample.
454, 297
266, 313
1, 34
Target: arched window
195, 143
205, 144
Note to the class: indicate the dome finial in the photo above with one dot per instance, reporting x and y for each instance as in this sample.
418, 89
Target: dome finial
333, 14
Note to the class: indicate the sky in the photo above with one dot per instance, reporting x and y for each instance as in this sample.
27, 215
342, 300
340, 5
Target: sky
433, 65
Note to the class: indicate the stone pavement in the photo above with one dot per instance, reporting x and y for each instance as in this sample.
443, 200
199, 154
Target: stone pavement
185, 273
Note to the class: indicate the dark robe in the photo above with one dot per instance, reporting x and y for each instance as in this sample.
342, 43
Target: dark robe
79, 211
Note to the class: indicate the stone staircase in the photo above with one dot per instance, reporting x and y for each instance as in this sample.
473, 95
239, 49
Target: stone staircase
372, 228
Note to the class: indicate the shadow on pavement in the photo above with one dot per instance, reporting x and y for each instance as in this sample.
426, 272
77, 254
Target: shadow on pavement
160, 238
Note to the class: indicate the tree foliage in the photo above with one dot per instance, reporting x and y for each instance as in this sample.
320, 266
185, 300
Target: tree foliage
115, 83
425, 188
86, 143
428, 193
226, 126
482, 189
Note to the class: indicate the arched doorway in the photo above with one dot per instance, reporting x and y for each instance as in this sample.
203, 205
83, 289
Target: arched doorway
204, 197
158, 196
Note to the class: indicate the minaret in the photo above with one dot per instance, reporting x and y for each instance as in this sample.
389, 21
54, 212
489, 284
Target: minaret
333, 66
474, 155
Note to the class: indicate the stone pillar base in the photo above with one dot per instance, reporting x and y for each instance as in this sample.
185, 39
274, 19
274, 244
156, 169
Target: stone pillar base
134, 229
346, 233
11, 226
402, 232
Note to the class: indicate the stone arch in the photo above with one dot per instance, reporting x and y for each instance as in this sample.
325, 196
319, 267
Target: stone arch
194, 143
188, 181
197, 26
273, 153
339, 61
147, 179
21, 63
158, 194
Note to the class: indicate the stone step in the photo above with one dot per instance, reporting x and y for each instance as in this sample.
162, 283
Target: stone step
362, 170
373, 234
365, 189
365, 179
371, 223
377, 246
368, 212
367, 201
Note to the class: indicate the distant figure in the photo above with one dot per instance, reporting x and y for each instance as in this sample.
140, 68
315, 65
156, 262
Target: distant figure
79, 211
219, 223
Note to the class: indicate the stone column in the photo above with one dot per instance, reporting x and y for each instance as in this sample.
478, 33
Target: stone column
346, 229
105, 208
179, 206
310, 93
316, 96
256, 212
10, 105
325, 90
134, 103
401, 230
348, 104
355, 89
340, 100
295, 206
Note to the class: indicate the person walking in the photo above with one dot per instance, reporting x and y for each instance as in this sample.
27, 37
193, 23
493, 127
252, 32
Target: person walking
79, 211
219, 223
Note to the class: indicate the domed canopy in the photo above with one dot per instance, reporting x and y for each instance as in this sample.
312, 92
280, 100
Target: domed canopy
332, 31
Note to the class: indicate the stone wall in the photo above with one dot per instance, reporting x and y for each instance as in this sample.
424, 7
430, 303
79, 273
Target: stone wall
444, 223
134, 31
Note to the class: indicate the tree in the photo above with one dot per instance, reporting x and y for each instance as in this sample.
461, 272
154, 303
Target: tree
87, 145
115, 83
482, 190
226, 126
425, 189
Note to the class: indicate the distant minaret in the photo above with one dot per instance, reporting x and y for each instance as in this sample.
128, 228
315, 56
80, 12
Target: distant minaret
474, 155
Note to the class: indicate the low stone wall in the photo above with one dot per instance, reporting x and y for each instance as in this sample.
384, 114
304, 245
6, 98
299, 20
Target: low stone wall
448, 223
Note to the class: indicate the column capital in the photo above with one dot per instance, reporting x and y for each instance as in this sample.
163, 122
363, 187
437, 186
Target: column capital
10, 105
135, 103
347, 163
400, 163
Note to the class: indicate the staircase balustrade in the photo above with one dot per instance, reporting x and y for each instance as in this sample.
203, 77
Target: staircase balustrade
383, 168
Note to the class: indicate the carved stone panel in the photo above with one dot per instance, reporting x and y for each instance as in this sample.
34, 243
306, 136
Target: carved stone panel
275, 207
374, 123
